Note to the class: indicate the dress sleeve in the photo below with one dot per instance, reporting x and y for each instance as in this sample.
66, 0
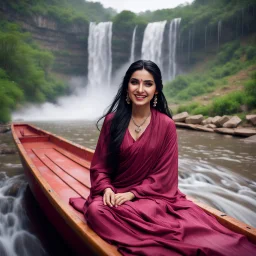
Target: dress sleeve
162, 180
99, 172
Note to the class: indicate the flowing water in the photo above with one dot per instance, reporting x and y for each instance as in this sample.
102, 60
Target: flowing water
173, 37
132, 57
153, 42
100, 55
216, 169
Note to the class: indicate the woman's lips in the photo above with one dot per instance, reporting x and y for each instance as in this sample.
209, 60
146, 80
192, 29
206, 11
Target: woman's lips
140, 97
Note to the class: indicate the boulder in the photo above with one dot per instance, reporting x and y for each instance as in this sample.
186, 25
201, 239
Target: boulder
251, 118
183, 125
203, 128
180, 117
233, 122
225, 130
212, 126
222, 120
244, 132
207, 120
5, 128
215, 119
197, 119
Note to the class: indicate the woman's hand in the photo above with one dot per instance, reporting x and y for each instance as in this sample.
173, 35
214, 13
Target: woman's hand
120, 198
109, 197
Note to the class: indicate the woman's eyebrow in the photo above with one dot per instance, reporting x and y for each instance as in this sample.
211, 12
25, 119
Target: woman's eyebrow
141, 79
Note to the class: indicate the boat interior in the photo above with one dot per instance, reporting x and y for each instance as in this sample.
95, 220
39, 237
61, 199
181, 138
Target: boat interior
66, 172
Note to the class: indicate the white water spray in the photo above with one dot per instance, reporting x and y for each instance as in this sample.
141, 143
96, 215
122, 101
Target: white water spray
86, 102
132, 57
173, 36
220, 188
153, 42
100, 55
14, 238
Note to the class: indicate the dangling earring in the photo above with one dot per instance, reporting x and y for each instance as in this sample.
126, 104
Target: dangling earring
128, 99
155, 101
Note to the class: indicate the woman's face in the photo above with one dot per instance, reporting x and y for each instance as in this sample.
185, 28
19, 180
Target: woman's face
141, 87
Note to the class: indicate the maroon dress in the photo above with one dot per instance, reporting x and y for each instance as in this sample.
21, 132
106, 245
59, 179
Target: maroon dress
160, 220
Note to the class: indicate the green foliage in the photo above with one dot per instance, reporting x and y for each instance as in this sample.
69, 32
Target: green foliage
231, 58
65, 12
227, 104
24, 71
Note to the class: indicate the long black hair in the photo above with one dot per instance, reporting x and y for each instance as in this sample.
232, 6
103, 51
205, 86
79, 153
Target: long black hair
122, 110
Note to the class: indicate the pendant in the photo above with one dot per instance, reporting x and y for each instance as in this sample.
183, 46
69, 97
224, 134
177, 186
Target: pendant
138, 129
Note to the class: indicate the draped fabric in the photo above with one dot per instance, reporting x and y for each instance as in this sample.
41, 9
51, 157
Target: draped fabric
160, 220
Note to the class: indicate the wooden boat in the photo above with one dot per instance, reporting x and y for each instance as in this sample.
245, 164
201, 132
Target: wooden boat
58, 169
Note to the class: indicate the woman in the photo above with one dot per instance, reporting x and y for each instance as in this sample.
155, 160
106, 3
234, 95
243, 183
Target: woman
134, 201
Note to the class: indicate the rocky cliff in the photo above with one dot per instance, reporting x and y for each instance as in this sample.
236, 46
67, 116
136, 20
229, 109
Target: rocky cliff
67, 43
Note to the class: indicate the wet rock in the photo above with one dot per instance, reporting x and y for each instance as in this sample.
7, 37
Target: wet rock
233, 122
222, 120
245, 132
212, 126
251, 118
197, 119
180, 117
203, 128
5, 149
5, 128
207, 120
225, 130
184, 125
215, 119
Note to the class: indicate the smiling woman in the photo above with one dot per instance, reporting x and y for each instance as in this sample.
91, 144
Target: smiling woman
134, 200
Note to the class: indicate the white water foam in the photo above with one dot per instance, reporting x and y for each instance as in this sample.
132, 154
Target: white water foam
15, 240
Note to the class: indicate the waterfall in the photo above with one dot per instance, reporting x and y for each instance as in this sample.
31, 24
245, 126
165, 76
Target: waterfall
173, 34
205, 37
132, 57
86, 102
189, 45
219, 33
100, 55
153, 41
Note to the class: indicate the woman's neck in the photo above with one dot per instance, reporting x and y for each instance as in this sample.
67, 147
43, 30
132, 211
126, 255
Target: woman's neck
140, 111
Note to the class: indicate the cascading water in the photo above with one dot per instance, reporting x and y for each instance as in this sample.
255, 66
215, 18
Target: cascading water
189, 45
153, 42
132, 57
86, 102
100, 55
173, 35
219, 33
205, 37
14, 238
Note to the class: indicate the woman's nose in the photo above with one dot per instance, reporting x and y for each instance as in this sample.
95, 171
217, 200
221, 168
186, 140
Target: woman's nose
140, 89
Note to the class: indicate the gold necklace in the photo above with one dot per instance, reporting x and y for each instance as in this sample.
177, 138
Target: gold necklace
138, 129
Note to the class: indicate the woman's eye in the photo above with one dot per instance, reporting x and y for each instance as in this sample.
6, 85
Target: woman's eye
149, 84
134, 82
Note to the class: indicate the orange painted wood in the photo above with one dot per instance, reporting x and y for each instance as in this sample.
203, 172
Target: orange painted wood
58, 169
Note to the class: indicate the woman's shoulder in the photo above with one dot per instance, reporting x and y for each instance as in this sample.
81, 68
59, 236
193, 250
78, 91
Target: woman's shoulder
109, 117
164, 119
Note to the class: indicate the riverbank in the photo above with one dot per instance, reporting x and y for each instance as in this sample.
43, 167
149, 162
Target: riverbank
230, 125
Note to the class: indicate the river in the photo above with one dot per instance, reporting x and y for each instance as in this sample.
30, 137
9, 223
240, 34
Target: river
214, 168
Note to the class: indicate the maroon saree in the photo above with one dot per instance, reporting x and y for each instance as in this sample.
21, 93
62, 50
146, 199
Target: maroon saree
160, 220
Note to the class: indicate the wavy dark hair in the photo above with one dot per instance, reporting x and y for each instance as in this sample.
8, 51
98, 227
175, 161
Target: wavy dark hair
122, 110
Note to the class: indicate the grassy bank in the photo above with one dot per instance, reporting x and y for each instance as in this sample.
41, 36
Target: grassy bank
228, 82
